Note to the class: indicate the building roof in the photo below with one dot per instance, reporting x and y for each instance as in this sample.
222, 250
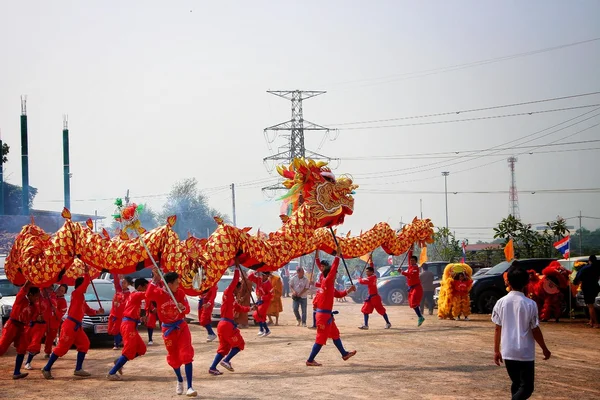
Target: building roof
483, 246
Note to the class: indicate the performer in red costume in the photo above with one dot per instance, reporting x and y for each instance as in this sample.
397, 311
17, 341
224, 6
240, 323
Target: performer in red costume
151, 318
326, 327
14, 330
176, 333
133, 345
461, 303
230, 337
415, 290
38, 327
206, 303
57, 317
118, 306
546, 290
373, 301
71, 332
264, 293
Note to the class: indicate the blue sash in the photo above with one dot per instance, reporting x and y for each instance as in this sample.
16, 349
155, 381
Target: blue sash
232, 322
172, 326
32, 323
332, 313
259, 302
77, 323
16, 321
370, 297
137, 322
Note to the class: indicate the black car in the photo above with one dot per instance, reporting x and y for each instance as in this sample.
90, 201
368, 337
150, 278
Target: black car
361, 290
393, 290
488, 288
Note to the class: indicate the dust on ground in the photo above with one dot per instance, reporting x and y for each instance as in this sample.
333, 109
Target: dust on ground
439, 360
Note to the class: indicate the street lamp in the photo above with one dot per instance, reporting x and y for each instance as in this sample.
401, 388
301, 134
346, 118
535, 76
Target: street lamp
445, 174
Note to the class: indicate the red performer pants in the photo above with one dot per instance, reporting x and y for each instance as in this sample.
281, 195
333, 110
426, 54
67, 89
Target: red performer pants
71, 334
133, 345
229, 337
373, 302
114, 325
205, 315
178, 342
13, 331
35, 335
50, 336
326, 328
415, 295
151, 320
260, 315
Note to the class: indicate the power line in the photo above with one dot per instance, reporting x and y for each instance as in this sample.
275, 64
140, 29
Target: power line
468, 110
450, 121
416, 156
538, 191
423, 73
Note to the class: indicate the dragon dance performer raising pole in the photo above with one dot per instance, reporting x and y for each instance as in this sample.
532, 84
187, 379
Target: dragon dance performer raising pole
176, 333
415, 290
71, 332
373, 301
326, 327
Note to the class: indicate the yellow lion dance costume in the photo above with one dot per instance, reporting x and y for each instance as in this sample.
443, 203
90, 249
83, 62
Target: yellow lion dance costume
454, 292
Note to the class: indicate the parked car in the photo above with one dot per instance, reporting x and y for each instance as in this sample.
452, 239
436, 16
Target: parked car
8, 293
145, 273
490, 287
2, 259
216, 312
97, 326
482, 271
362, 291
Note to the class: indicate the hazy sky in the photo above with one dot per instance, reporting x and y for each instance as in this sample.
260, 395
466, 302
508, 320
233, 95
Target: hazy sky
161, 91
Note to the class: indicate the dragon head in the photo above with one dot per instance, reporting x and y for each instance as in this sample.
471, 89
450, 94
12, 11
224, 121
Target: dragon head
312, 183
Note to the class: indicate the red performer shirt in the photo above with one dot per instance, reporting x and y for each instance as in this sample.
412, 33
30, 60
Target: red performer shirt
461, 287
264, 290
412, 275
371, 282
22, 309
78, 305
134, 305
61, 308
327, 291
44, 308
228, 303
166, 309
209, 297
119, 299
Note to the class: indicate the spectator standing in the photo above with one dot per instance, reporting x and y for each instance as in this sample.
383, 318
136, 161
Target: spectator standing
517, 330
285, 277
428, 288
299, 286
588, 276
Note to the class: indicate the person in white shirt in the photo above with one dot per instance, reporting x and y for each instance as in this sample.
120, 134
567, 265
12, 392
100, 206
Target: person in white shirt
517, 330
299, 287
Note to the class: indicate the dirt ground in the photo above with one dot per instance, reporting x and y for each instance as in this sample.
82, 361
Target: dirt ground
439, 360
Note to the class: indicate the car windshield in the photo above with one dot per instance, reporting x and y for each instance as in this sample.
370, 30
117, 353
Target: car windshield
106, 292
382, 270
7, 288
222, 284
499, 268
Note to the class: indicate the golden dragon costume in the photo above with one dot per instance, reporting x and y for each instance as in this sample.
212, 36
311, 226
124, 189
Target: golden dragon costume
316, 201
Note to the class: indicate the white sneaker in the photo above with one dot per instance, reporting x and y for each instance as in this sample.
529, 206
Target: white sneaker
179, 388
150, 343
114, 377
364, 327
266, 334
467, 319
388, 326
28, 366
260, 333
210, 338
297, 323
191, 393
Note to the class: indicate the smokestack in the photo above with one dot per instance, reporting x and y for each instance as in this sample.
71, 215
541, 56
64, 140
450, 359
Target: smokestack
67, 174
24, 157
1, 177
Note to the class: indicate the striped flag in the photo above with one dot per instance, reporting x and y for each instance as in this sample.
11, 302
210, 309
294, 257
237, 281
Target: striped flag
563, 245
464, 250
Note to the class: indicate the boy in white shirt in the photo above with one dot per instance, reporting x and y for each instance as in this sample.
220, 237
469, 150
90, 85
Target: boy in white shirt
517, 328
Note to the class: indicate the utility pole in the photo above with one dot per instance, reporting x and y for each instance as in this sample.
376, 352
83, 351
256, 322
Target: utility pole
24, 158
1, 177
296, 126
513, 195
96, 221
233, 202
580, 234
66, 166
445, 174
127, 198
421, 207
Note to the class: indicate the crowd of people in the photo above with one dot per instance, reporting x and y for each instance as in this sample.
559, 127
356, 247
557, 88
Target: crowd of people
38, 316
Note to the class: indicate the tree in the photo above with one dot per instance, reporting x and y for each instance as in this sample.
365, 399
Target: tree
445, 246
4, 153
590, 242
191, 208
558, 228
13, 196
